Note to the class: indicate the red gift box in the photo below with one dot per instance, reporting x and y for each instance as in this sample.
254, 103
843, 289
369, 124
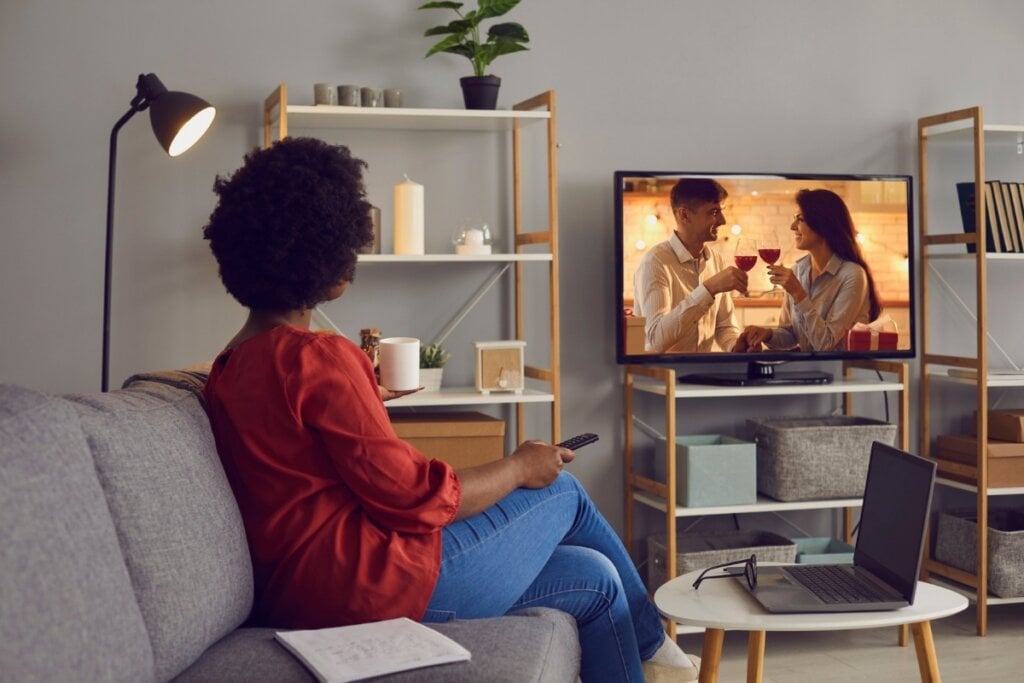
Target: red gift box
869, 340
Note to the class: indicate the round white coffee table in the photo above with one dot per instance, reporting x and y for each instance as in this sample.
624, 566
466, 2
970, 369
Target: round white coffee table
724, 605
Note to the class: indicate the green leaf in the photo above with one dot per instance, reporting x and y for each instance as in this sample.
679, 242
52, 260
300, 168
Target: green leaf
504, 47
510, 31
438, 31
459, 26
441, 5
447, 45
495, 8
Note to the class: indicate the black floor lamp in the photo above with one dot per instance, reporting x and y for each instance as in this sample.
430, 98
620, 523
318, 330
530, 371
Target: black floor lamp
179, 120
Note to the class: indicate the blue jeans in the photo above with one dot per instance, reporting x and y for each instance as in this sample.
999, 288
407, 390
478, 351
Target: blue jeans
551, 547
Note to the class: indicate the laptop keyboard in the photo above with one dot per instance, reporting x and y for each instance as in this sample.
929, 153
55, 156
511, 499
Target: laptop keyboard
834, 585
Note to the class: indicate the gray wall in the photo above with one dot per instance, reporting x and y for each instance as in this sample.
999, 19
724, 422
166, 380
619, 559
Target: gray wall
791, 85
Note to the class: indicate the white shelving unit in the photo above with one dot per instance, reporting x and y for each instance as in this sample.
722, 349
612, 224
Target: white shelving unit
661, 495
451, 258
964, 129
530, 246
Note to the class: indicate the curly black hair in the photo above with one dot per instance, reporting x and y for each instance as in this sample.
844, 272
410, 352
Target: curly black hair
289, 224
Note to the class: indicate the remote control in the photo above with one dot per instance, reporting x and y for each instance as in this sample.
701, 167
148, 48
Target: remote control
578, 441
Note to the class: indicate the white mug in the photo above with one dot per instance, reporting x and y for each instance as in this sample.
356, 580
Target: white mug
400, 363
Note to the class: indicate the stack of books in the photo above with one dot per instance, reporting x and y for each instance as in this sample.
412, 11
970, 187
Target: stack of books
1003, 215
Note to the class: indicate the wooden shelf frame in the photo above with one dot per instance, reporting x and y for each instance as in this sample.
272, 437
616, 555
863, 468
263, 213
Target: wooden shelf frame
661, 495
962, 125
279, 117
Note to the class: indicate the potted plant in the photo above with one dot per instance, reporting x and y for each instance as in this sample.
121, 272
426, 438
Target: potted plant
462, 37
432, 360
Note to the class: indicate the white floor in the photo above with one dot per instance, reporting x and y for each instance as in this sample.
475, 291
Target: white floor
872, 656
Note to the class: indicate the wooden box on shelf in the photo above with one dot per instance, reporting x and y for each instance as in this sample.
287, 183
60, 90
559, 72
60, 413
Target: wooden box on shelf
499, 366
1005, 425
462, 439
957, 456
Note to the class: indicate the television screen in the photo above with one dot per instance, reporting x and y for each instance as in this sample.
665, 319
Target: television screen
821, 255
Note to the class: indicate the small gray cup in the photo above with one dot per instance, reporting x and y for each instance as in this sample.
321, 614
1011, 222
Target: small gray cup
324, 93
392, 97
372, 97
348, 95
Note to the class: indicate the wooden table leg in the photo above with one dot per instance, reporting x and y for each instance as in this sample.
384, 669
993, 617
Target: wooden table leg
902, 635
755, 656
711, 655
925, 646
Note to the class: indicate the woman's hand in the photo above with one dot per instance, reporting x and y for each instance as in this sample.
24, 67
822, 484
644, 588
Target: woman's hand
388, 394
539, 462
751, 338
786, 278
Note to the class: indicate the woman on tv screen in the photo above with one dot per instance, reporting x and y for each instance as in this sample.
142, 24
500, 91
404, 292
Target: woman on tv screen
827, 290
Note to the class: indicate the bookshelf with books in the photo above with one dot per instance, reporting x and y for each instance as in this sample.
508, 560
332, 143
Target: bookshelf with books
994, 240
1004, 218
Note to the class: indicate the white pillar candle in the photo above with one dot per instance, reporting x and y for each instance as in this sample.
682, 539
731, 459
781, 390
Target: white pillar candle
473, 237
408, 217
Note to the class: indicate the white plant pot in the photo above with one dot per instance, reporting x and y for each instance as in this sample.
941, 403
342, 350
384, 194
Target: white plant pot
430, 379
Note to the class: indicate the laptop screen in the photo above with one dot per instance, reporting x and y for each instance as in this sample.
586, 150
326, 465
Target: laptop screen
897, 497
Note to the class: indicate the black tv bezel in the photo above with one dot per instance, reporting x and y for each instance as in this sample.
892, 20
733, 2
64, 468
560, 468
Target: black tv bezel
760, 356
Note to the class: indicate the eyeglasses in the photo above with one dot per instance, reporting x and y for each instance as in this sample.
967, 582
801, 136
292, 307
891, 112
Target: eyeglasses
749, 572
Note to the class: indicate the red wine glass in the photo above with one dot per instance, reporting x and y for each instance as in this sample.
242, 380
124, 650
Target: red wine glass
769, 250
745, 255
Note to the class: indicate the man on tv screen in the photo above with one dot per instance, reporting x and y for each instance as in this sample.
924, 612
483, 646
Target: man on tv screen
680, 285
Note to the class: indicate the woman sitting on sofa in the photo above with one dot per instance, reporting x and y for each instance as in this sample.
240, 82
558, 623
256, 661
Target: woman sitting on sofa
347, 523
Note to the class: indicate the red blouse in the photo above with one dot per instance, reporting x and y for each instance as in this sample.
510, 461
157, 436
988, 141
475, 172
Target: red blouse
342, 517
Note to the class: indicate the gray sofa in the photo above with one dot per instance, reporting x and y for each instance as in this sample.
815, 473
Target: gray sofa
123, 558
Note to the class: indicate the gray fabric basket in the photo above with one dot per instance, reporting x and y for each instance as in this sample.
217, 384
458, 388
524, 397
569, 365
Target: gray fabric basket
956, 542
808, 458
694, 551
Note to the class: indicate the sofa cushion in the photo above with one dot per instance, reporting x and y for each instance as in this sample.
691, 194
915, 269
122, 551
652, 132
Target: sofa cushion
179, 527
67, 610
534, 645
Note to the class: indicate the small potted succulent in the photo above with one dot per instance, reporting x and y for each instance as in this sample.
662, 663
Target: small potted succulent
462, 37
432, 361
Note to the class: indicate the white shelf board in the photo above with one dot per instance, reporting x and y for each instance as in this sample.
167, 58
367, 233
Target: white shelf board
405, 118
468, 396
964, 129
969, 592
837, 386
451, 258
1015, 380
988, 257
1006, 491
763, 504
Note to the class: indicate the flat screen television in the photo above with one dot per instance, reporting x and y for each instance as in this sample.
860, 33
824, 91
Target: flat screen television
761, 207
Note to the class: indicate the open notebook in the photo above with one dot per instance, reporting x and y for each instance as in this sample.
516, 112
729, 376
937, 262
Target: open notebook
352, 653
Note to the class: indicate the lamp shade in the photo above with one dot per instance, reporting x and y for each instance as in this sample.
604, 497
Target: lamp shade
179, 120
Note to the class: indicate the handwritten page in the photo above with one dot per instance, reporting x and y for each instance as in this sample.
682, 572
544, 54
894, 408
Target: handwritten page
352, 653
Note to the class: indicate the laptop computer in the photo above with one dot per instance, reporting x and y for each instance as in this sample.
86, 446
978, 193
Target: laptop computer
887, 557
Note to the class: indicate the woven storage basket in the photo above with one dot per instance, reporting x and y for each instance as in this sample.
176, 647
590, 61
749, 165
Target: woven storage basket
807, 458
695, 551
956, 542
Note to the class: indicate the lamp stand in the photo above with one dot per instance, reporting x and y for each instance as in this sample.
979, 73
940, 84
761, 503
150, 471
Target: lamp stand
108, 263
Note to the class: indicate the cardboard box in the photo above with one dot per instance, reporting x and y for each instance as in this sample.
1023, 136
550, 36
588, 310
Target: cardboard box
462, 439
867, 340
1005, 425
635, 334
711, 470
1005, 459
